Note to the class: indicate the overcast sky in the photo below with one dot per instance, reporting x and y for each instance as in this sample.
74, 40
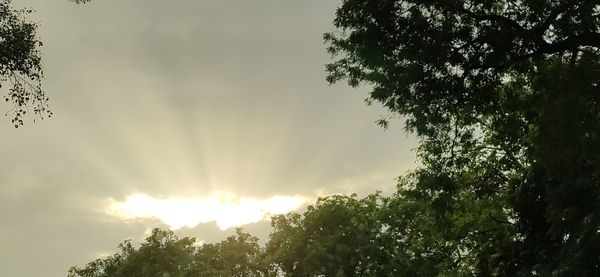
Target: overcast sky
180, 99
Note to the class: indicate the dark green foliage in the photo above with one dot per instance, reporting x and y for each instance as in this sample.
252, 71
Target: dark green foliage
504, 96
238, 255
165, 255
434, 60
338, 236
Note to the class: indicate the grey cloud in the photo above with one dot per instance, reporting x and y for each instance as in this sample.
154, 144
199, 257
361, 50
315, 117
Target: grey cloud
179, 98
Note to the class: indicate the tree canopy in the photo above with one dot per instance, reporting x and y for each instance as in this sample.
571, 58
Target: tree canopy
164, 254
434, 60
504, 96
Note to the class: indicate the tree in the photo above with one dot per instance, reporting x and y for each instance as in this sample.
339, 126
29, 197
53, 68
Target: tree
504, 96
337, 236
20, 64
239, 255
164, 254
434, 59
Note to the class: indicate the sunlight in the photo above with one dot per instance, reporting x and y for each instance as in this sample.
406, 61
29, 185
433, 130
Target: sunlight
225, 209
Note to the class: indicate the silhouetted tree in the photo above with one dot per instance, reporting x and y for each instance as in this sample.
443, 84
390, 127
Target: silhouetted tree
20, 67
504, 96
20, 64
164, 254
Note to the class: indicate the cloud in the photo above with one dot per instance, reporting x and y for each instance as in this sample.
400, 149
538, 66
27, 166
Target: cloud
227, 210
178, 100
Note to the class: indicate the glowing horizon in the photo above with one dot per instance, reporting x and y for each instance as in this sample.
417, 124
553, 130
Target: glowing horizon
226, 210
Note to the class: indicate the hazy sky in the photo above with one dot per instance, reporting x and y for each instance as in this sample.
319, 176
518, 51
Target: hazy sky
180, 99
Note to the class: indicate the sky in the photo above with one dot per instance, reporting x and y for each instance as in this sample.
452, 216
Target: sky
194, 115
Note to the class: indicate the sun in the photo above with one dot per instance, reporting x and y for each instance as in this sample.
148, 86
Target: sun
226, 210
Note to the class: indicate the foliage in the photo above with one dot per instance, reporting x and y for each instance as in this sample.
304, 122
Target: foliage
436, 60
338, 236
504, 96
164, 254
238, 255
20, 64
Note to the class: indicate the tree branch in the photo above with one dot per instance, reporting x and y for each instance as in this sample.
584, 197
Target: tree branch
572, 43
485, 17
